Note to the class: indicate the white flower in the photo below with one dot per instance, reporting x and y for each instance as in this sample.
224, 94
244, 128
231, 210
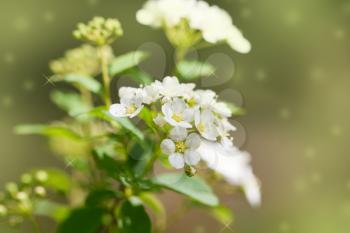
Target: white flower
205, 124
181, 148
214, 23
157, 13
130, 103
234, 166
176, 113
151, 92
222, 109
203, 98
159, 120
171, 87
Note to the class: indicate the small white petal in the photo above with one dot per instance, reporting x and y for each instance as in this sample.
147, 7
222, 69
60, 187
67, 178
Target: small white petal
178, 134
193, 141
117, 110
192, 157
167, 146
159, 120
176, 160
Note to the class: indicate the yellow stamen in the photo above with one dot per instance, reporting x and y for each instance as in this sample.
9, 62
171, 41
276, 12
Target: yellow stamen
180, 147
177, 117
201, 127
131, 109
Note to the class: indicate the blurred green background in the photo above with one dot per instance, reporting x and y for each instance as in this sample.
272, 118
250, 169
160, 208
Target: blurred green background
294, 84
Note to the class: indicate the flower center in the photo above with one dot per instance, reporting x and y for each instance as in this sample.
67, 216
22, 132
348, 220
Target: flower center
192, 102
131, 109
177, 117
180, 147
201, 127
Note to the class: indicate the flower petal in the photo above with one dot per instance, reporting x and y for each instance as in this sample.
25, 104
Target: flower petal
167, 146
176, 160
192, 157
117, 110
193, 141
178, 134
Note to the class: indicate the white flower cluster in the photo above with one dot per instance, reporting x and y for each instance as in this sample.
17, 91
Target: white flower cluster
197, 128
214, 23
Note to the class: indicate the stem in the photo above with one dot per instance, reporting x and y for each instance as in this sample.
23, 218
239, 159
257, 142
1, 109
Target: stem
105, 76
35, 224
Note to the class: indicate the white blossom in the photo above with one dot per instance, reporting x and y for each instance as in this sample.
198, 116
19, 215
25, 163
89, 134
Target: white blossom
181, 148
176, 113
159, 120
151, 92
171, 87
214, 23
130, 103
205, 124
234, 166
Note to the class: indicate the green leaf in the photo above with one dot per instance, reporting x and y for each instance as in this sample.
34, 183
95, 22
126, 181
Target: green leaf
156, 206
133, 218
99, 196
106, 163
47, 130
191, 70
193, 187
103, 114
57, 179
70, 102
222, 214
87, 82
84, 220
139, 157
126, 61
127, 124
51, 209
236, 111
140, 76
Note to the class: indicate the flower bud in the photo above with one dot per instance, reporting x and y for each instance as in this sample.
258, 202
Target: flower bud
11, 188
190, 170
41, 176
99, 31
40, 191
3, 211
26, 178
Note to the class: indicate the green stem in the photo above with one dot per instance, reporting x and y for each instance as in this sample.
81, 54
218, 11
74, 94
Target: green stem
35, 224
105, 76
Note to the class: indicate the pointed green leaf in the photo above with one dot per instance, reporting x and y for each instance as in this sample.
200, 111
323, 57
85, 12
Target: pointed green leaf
126, 61
134, 218
84, 220
87, 82
193, 187
47, 130
54, 210
140, 76
191, 70
70, 102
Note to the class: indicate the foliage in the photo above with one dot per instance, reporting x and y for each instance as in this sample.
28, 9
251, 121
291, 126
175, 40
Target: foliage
107, 183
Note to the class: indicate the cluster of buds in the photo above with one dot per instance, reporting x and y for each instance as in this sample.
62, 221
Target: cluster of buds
99, 31
187, 116
17, 200
83, 60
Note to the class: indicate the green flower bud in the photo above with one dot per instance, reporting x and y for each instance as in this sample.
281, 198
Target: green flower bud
41, 176
190, 171
26, 178
99, 31
11, 188
40, 191
3, 211
22, 196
